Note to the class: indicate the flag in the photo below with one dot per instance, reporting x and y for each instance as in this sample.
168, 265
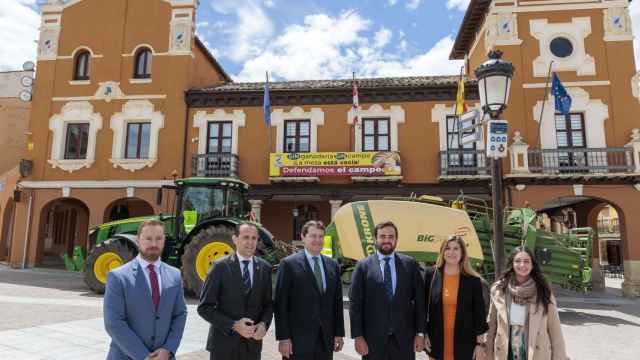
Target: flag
461, 107
356, 102
562, 98
266, 106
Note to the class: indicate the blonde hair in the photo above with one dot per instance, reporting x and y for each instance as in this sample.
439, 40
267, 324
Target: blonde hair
147, 223
466, 267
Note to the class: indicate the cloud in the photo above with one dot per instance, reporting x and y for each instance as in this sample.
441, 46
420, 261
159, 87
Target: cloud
19, 24
248, 35
413, 4
326, 47
382, 37
269, 3
634, 10
458, 4
391, 2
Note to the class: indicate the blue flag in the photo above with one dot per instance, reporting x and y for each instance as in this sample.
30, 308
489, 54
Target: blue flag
563, 100
266, 106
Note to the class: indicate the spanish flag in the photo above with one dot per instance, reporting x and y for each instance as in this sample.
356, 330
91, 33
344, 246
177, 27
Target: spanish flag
461, 108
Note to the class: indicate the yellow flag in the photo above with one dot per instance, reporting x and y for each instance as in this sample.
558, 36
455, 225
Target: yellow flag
461, 108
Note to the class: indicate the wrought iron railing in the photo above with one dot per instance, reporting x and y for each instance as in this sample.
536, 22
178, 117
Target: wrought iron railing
581, 161
463, 163
215, 165
608, 226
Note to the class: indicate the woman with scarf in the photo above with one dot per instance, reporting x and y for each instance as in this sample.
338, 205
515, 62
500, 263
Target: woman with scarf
523, 318
456, 315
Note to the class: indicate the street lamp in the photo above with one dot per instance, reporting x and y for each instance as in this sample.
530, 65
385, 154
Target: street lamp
494, 80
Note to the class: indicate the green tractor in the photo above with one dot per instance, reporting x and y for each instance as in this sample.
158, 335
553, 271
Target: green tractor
198, 233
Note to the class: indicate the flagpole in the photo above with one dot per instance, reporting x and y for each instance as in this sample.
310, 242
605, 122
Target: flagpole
353, 126
544, 101
268, 125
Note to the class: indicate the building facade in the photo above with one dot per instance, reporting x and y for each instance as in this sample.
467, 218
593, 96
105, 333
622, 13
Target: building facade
117, 114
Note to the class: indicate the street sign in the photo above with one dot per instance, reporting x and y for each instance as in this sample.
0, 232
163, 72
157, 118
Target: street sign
469, 120
472, 137
497, 133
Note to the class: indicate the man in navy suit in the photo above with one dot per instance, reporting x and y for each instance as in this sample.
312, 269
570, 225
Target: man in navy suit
144, 308
308, 309
387, 296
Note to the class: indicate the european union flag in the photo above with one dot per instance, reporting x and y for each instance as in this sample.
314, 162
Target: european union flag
563, 100
266, 106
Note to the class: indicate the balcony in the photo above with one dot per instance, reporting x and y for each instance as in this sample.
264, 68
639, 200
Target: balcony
584, 164
608, 226
215, 165
463, 165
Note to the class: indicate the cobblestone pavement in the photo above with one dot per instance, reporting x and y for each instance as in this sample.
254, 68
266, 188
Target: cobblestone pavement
46, 314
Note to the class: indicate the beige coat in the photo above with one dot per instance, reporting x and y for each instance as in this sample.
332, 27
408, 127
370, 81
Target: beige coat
545, 341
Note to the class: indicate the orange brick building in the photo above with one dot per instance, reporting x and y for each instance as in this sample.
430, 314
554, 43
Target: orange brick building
116, 114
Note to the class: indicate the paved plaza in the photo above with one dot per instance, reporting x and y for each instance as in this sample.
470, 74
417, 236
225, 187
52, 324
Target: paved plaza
48, 314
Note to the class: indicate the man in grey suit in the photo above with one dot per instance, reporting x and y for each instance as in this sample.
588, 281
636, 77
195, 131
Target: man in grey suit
236, 300
144, 308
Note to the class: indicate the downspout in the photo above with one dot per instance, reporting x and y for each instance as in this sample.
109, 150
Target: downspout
27, 231
184, 140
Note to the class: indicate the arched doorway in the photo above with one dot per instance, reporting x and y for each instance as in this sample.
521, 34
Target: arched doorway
606, 219
127, 208
64, 224
302, 214
7, 229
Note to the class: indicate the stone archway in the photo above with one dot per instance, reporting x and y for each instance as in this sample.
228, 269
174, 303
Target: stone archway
6, 230
127, 208
64, 224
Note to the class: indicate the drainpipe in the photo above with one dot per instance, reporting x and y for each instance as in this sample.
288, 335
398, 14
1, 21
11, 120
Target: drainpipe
184, 140
26, 234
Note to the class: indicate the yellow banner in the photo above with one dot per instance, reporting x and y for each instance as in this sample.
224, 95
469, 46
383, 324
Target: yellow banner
382, 163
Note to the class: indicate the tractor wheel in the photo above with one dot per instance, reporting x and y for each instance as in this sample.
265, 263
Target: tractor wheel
105, 257
207, 246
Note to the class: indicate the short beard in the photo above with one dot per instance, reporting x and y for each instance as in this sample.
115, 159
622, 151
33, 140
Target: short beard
150, 257
385, 252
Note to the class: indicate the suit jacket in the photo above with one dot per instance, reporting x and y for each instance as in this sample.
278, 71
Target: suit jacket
302, 310
470, 315
373, 314
544, 333
223, 302
135, 327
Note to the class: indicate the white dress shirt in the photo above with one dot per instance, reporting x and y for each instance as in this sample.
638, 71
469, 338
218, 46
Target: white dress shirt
392, 265
157, 266
240, 259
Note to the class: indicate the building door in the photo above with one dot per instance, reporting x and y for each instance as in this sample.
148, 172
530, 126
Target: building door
301, 215
570, 135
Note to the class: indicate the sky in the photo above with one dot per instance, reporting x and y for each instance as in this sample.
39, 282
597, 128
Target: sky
301, 39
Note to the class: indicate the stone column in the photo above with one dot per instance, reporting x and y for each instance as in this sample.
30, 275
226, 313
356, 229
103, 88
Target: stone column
335, 205
635, 145
256, 206
631, 284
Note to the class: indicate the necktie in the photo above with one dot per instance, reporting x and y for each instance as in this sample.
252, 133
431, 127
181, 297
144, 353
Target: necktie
317, 273
155, 287
387, 277
246, 277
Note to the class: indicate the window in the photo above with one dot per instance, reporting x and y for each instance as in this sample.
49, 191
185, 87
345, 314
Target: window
138, 136
297, 136
375, 133
459, 155
76, 141
143, 64
81, 65
219, 137
570, 134
561, 47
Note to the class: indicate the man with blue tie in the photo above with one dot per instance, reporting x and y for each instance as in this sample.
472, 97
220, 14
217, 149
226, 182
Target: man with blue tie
236, 300
308, 301
387, 308
144, 308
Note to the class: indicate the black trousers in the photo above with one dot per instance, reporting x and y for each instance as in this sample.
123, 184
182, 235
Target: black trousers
319, 352
391, 351
242, 352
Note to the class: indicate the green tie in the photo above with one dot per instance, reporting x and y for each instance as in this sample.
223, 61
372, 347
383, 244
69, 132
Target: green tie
317, 273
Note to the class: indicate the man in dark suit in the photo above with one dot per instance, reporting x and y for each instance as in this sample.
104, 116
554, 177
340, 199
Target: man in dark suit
308, 309
387, 301
144, 309
236, 300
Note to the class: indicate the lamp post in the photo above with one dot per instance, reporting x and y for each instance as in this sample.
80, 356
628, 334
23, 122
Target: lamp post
494, 80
